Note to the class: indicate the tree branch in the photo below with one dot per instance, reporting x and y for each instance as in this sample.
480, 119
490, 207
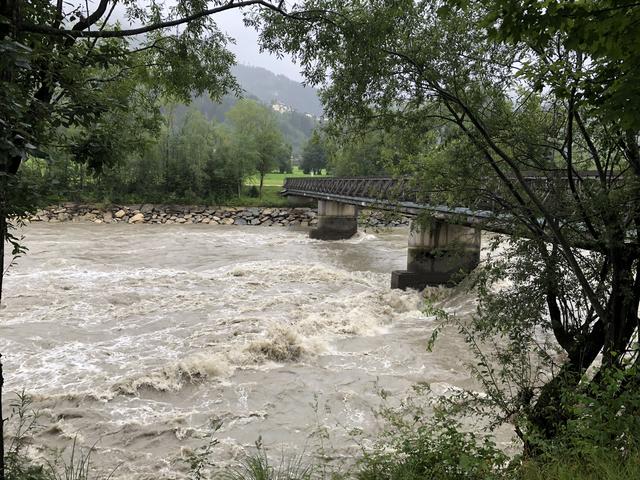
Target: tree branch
551, 219
91, 19
78, 29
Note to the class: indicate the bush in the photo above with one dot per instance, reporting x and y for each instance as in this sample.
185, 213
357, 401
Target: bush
258, 467
601, 439
435, 451
20, 426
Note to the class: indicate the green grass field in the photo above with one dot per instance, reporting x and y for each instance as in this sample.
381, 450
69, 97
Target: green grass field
277, 179
270, 198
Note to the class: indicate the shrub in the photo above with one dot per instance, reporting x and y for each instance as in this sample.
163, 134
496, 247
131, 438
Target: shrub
435, 451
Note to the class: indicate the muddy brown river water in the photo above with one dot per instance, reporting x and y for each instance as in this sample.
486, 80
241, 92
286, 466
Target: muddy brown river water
137, 338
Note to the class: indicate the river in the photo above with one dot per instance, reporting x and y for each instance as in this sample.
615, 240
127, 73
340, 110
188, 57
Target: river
138, 338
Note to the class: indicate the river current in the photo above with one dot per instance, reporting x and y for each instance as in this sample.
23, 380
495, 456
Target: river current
138, 339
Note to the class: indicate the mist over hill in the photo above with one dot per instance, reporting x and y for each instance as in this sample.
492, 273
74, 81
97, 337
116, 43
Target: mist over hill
269, 87
266, 87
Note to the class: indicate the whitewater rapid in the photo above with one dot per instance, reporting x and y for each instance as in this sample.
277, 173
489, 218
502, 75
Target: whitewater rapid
145, 340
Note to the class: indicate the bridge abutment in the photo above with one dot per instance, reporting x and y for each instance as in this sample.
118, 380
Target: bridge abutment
336, 221
437, 254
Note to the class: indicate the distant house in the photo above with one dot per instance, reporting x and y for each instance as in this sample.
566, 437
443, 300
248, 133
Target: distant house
280, 107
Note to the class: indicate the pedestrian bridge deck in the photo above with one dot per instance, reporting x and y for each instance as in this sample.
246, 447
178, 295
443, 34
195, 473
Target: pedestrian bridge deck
392, 194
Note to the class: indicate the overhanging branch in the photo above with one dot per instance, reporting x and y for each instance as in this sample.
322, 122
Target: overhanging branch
76, 31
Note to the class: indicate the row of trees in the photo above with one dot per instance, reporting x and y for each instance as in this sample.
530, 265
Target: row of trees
372, 152
184, 158
175, 154
296, 127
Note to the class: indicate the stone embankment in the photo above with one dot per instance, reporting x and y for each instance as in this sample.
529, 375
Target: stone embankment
174, 214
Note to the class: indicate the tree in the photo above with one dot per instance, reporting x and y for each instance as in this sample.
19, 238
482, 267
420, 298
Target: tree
496, 91
200, 165
314, 155
361, 154
259, 143
284, 159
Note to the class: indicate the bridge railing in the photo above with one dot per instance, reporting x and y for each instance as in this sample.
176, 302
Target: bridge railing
401, 189
381, 188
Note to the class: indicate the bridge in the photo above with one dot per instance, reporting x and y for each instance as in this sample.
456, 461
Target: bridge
437, 253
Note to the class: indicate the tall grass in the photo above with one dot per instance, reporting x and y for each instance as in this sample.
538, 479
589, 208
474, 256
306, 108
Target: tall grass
77, 466
259, 467
599, 465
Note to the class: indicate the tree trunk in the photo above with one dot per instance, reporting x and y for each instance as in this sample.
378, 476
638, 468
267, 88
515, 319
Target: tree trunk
261, 183
609, 336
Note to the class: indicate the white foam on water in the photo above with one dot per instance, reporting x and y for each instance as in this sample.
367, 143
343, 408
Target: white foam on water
142, 336
360, 237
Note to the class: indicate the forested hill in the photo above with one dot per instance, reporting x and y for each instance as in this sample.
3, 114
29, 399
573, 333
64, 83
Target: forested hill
296, 125
269, 87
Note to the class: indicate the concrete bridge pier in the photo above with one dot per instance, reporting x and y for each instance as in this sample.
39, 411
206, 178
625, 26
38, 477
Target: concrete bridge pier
438, 254
336, 221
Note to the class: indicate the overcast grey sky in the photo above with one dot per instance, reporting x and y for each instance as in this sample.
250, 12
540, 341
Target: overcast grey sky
246, 48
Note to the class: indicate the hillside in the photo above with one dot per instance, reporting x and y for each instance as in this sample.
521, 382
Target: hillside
264, 86
269, 87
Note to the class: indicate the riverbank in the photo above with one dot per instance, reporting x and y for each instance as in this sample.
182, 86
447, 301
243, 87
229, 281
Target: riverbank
200, 214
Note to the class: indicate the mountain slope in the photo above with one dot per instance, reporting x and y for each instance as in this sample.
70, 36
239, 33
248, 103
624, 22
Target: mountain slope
295, 125
269, 87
